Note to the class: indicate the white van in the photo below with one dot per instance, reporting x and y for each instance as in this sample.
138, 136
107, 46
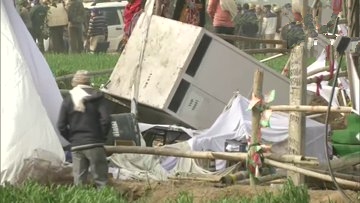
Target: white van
114, 12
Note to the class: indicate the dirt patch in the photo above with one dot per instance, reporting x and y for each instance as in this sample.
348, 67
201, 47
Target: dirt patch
157, 192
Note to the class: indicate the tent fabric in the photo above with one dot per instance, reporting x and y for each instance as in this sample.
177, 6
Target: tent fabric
29, 98
33, 59
214, 139
325, 90
235, 124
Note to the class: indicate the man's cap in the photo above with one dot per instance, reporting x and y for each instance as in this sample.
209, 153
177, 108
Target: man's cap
251, 6
276, 9
81, 77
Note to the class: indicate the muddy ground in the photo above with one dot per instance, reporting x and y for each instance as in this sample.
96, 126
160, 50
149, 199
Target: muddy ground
157, 192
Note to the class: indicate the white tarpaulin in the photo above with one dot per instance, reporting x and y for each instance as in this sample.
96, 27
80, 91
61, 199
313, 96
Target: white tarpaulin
354, 80
235, 124
30, 99
325, 89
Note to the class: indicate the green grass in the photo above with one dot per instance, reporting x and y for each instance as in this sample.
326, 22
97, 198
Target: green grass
64, 64
32, 192
278, 64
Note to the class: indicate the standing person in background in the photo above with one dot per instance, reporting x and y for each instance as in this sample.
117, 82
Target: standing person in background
293, 32
191, 12
222, 13
57, 20
76, 15
24, 10
131, 14
38, 15
97, 31
278, 12
260, 15
85, 121
269, 25
247, 25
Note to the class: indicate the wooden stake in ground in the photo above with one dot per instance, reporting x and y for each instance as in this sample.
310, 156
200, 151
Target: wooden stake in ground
297, 97
256, 116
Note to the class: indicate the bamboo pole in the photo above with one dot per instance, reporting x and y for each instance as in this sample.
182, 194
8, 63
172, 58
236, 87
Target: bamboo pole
267, 50
350, 184
263, 179
256, 116
94, 73
311, 73
337, 174
233, 178
208, 179
233, 156
297, 93
230, 156
305, 108
326, 77
343, 163
250, 39
271, 57
295, 159
285, 70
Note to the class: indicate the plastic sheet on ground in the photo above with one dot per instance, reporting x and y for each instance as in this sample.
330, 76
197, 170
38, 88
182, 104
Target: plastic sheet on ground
234, 123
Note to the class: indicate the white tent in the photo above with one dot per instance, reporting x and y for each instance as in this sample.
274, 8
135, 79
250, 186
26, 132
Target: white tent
30, 99
232, 124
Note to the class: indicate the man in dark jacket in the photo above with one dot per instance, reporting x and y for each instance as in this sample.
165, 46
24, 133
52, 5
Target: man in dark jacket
247, 25
84, 121
76, 14
38, 15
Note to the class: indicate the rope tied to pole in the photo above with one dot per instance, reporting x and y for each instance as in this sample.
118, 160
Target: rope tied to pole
318, 81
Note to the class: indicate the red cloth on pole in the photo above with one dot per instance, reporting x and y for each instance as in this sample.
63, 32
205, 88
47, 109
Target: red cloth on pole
130, 10
336, 6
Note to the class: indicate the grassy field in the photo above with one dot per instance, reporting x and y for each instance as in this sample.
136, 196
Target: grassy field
64, 64
32, 192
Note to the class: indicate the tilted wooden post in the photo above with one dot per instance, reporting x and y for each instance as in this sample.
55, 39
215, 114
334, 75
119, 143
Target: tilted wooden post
297, 97
256, 115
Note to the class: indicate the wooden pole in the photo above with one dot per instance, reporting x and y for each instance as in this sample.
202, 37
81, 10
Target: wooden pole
285, 70
250, 39
326, 77
256, 116
94, 73
303, 108
353, 18
263, 179
297, 170
231, 156
297, 97
267, 50
271, 57
304, 8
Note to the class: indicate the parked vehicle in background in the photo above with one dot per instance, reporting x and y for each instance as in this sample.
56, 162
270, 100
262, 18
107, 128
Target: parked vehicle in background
113, 12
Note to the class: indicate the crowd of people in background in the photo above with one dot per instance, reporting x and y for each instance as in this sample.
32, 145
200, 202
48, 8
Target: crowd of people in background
66, 25
251, 20
74, 31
